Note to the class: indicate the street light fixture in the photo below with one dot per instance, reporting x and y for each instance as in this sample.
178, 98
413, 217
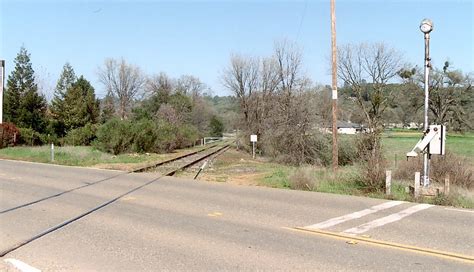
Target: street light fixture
426, 27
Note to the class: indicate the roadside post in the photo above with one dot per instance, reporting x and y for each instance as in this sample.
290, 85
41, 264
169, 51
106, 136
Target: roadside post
388, 182
52, 152
417, 185
446, 186
253, 139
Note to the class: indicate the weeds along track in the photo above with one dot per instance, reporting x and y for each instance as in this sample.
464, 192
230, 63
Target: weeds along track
140, 169
166, 168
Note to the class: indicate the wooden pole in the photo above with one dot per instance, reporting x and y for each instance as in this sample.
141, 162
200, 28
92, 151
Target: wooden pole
253, 150
334, 87
446, 185
417, 184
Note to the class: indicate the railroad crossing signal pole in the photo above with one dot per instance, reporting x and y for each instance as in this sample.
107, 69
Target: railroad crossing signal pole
426, 27
334, 87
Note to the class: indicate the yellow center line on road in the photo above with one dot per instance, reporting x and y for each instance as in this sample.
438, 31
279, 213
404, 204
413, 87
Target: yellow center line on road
369, 241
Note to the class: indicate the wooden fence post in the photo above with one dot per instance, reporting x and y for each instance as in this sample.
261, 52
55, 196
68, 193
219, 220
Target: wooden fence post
446, 185
417, 184
388, 182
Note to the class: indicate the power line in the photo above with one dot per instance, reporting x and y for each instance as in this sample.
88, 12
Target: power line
302, 19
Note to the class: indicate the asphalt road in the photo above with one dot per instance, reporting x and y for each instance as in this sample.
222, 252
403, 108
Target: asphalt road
176, 224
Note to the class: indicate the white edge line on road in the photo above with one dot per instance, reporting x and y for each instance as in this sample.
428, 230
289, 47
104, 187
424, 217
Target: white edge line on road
338, 220
23, 267
458, 210
387, 219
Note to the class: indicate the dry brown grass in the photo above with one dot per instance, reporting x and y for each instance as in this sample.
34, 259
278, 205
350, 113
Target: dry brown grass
457, 168
303, 179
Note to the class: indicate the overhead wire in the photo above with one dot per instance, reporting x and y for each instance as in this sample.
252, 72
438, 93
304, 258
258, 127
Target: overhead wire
302, 19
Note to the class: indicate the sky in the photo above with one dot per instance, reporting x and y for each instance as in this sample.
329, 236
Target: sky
198, 37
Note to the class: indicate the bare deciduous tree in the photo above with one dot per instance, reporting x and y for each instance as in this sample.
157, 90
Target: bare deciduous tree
276, 102
289, 60
123, 80
367, 69
242, 79
450, 98
263, 101
190, 86
159, 87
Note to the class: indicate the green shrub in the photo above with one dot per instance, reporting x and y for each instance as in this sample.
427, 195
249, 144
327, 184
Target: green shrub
166, 141
31, 137
347, 151
81, 136
145, 136
187, 135
322, 146
115, 136
216, 126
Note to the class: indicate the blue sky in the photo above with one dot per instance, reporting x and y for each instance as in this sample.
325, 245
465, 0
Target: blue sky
197, 37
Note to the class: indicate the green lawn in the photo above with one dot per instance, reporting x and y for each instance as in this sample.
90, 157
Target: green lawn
397, 144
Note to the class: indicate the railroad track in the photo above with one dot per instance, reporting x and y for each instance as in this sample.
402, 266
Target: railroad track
165, 168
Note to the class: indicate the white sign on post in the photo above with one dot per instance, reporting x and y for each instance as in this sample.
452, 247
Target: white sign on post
253, 139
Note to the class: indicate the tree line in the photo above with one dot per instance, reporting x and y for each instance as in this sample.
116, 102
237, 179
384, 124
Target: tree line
279, 103
138, 113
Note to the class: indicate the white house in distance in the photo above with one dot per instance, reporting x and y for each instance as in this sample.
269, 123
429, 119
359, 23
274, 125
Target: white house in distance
344, 127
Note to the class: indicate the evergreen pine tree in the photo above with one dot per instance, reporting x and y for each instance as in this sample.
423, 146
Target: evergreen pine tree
80, 105
23, 105
65, 81
108, 108
216, 126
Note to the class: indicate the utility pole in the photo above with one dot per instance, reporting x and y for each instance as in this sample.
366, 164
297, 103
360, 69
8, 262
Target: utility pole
2, 79
334, 87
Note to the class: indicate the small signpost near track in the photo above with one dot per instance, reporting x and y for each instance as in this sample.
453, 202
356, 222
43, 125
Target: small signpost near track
253, 139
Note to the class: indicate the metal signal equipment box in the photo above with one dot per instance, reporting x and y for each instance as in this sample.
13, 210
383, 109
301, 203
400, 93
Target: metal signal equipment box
433, 141
438, 143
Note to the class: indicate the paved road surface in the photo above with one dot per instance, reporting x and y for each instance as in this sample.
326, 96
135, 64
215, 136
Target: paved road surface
175, 224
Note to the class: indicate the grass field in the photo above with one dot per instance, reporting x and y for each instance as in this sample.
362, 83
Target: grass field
397, 144
84, 156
